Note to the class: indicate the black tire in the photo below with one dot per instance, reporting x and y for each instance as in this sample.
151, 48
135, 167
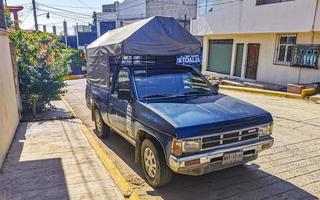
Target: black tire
102, 130
163, 174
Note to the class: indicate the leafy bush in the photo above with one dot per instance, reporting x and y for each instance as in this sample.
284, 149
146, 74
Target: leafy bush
75, 58
42, 63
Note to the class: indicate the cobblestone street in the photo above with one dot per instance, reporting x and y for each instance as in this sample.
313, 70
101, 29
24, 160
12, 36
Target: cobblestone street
289, 170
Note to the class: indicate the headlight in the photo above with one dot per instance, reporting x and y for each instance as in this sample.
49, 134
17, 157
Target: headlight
191, 145
185, 146
265, 130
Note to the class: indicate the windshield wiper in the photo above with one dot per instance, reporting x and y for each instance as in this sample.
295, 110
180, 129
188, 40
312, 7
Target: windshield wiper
160, 96
196, 93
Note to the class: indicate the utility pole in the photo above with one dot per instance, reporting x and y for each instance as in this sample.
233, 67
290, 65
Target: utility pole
117, 14
65, 31
35, 14
77, 34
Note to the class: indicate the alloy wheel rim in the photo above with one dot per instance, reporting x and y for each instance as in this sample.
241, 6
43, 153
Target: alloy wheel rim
150, 162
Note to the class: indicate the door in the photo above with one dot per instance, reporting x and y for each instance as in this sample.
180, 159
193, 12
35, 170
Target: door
118, 108
252, 61
239, 60
219, 58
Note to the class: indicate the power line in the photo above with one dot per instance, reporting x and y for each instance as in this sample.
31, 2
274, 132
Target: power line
55, 8
24, 19
198, 6
69, 6
66, 16
85, 4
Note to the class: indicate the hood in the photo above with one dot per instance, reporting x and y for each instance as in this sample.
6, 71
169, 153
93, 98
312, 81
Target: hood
206, 115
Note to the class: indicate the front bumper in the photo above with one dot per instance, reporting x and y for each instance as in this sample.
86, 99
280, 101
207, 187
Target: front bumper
212, 160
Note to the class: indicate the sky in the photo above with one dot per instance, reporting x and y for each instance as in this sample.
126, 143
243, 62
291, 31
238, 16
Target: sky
70, 10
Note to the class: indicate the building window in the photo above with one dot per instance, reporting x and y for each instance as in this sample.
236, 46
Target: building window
262, 2
205, 6
306, 55
284, 49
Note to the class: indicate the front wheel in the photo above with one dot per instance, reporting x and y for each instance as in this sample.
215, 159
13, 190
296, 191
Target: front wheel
102, 130
153, 164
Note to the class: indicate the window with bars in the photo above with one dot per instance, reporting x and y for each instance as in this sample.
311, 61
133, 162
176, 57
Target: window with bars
284, 49
306, 55
263, 2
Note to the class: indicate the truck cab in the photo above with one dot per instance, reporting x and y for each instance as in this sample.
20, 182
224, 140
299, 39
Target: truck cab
178, 121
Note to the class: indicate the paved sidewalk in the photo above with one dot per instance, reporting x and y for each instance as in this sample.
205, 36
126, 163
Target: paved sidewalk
53, 160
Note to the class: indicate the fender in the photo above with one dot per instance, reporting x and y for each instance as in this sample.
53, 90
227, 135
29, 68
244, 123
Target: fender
163, 140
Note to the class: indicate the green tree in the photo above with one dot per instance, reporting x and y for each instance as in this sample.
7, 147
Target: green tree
73, 58
9, 21
42, 63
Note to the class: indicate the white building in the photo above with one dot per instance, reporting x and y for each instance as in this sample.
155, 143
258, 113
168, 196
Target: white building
263, 40
129, 11
9, 91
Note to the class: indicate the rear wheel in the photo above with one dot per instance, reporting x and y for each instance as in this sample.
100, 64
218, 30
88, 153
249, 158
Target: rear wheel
102, 130
153, 164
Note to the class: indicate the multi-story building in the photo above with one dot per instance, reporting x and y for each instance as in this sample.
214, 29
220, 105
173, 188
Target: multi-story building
274, 41
119, 14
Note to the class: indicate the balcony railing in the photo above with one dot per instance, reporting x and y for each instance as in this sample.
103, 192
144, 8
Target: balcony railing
306, 56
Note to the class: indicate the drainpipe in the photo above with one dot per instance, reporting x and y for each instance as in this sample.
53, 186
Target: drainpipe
314, 21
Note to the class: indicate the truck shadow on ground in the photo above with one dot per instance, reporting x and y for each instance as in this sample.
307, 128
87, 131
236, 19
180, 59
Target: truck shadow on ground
242, 182
33, 178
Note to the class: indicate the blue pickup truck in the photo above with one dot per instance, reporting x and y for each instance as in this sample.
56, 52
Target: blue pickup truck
176, 119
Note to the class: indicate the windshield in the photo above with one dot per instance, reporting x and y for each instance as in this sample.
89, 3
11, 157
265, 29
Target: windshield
166, 82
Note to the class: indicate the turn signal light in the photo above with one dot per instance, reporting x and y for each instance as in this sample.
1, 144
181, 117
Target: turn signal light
192, 162
176, 147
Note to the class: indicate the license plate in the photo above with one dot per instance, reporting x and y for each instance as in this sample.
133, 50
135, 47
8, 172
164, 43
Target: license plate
230, 158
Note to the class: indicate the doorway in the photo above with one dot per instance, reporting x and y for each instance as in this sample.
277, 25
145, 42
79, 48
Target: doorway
239, 60
219, 58
252, 61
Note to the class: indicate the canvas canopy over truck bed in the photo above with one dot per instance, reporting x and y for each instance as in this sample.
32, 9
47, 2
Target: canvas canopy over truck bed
155, 36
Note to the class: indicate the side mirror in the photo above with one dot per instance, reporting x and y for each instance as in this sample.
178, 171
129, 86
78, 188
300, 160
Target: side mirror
216, 86
124, 94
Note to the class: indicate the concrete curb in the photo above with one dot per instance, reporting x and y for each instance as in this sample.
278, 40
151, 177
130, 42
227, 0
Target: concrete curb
93, 140
304, 93
74, 77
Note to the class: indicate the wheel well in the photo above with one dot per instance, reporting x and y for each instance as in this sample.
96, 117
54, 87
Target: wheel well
93, 108
142, 135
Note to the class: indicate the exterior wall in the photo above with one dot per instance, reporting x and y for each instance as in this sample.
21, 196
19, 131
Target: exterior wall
132, 10
173, 8
267, 70
9, 117
179, 9
104, 17
129, 12
245, 17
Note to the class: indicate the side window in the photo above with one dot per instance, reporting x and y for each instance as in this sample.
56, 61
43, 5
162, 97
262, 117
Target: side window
122, 82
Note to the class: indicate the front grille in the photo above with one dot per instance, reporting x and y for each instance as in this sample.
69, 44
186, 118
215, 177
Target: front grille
229, 138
